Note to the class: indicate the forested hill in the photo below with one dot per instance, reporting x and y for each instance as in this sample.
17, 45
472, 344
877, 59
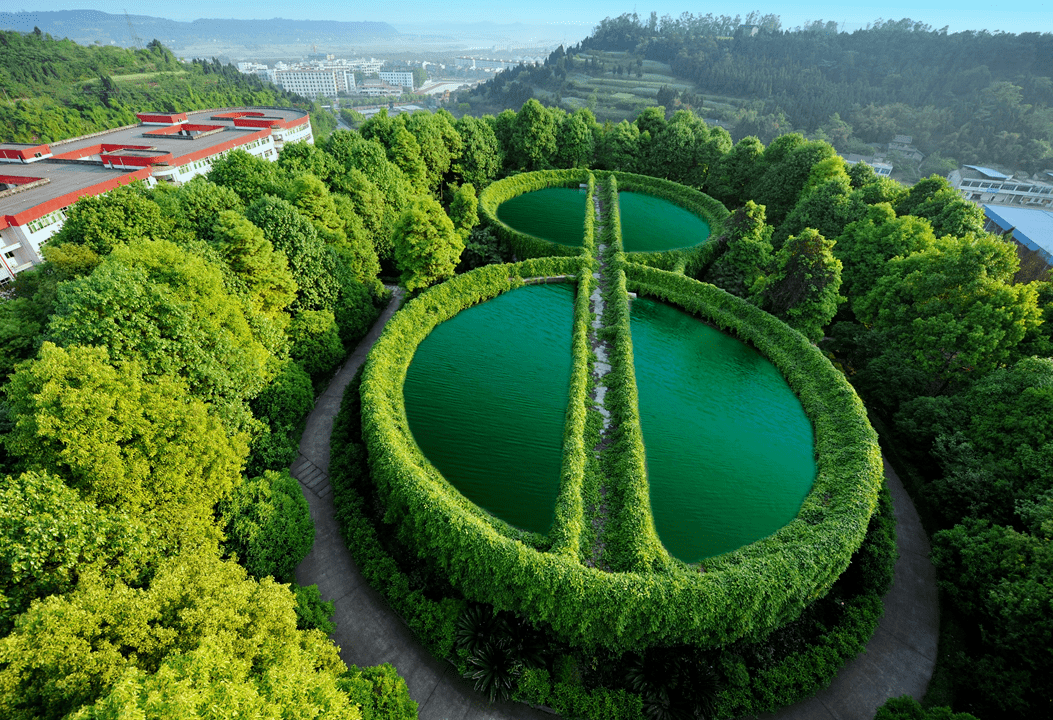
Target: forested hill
89, 26
970, 96
56, 89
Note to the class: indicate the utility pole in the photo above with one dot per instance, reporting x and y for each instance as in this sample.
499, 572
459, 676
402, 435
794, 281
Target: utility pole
131, 31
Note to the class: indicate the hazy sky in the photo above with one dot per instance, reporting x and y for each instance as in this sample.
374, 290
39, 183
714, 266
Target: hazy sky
584, 14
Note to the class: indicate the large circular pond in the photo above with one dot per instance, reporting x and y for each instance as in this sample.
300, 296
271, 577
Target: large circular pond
729, 448
486, 397
649, 224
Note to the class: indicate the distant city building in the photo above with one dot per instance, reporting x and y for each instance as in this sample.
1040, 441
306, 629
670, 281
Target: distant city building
39, 182
987, 185
315, 82
493, 64
379, 88
881, 167
397, 77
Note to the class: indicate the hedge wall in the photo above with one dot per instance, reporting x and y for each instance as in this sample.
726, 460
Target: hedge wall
710, 209
741, 595
522, 244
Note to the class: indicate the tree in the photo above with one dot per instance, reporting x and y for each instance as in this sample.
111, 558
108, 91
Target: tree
481, 158
734, 174
380, 693
400, 146
827, 208
426, 246
788, 163
260, 272
102, 222
745, 252
803, 289
575, 142
49, 535
533, 141
168, 309
303, 158
316, 343
907, 708
867, 244
464, 211
249, 176
313, 201
268, 525
618, 146
202, 635
952, 308
198, 204
438, 140
949, 214
311, 263
122, 440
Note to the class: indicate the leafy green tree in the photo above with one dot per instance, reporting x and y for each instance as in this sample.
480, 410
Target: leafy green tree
400, 146
464, 210
802, 291
427, 248
575, 140
311, 264
282, 405
268, 525
201, 636
745, 252
24, 315
49, 535
260, 272
368, 204
303, 158
788, 163
168, 309
733, 177
1001, 579
249, 176
102, 222
867, 244
439, 143
355, 311
313, 200
379, 692
618, 146
122, 440
198, 205
948, 212
357, 254
533, 141
827, 208
951, 307
482, 157
651, 120
907, 708
316, 343
684, 149
312, 613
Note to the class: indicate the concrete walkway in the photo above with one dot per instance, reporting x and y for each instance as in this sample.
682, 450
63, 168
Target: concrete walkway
899, 659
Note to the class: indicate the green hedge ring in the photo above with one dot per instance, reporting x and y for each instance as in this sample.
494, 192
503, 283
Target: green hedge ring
744, 594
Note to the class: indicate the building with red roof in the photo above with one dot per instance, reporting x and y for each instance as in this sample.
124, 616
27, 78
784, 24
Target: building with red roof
38, 182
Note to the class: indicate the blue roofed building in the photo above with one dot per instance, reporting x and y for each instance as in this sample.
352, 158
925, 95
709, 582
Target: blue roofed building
1031, 228
987, 185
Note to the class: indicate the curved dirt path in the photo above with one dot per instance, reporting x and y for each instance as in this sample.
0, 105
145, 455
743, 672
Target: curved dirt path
898, 660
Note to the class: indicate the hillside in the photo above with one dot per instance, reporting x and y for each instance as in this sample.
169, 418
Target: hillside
969, 97
57, 89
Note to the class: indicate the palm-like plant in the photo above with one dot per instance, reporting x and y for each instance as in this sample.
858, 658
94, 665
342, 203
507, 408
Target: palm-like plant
495, 669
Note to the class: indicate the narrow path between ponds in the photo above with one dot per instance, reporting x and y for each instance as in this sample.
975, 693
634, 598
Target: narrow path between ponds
899, 659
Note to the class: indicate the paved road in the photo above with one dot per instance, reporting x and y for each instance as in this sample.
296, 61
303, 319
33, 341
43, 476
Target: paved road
899, 659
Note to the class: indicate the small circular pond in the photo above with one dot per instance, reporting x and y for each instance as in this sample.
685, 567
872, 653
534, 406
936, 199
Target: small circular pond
729, 448
486, 397
650, 224
553, 214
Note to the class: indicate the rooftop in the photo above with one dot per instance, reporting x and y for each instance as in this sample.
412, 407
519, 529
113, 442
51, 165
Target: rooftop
988, 172
1032, 227
77, 166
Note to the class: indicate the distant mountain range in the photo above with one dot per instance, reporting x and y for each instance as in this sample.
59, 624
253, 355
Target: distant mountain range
88, 26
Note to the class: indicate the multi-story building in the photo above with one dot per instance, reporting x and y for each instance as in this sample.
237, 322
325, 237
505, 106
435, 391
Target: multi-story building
379, 88
986, 185
314, 82
38, 182
397, 77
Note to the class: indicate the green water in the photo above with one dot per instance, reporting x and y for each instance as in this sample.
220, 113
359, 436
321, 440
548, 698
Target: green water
554, 214
729, 449
486, 397
650, 224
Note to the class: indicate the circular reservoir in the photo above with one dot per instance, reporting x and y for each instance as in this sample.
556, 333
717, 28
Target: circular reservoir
553, 214
650, 224
486, 397
729, 448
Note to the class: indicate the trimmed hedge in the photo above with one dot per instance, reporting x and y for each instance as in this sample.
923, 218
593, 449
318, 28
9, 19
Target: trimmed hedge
522, 244
565, 537
745, 594
710, 209
631, 540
